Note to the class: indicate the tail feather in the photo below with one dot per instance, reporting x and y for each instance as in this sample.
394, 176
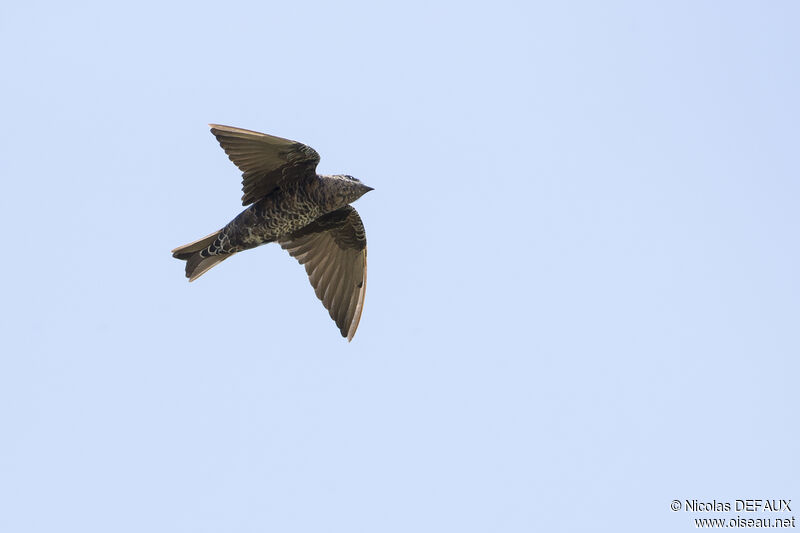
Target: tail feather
185, 252
196, 264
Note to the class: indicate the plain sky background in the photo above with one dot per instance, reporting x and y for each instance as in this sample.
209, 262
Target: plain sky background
583, 296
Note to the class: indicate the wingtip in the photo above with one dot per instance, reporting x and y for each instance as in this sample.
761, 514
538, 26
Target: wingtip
223, 127
232, 130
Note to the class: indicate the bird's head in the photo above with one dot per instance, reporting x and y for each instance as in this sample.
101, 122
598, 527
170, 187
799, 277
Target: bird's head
349, 188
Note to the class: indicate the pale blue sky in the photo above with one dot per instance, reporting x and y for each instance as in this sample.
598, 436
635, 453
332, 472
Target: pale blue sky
583, 296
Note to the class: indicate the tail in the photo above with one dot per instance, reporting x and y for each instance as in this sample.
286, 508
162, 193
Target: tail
197, 265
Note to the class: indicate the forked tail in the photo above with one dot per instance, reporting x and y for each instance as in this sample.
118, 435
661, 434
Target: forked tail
196, 263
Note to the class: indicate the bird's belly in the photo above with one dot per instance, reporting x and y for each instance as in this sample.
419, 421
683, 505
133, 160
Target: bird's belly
269, 219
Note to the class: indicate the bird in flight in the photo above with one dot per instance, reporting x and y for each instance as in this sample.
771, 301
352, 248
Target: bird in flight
306, 213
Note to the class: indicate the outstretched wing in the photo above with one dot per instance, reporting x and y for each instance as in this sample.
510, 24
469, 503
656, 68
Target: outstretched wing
333, 249
265, 161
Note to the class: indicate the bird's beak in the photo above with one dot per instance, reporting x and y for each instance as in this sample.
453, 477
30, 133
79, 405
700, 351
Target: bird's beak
369, 188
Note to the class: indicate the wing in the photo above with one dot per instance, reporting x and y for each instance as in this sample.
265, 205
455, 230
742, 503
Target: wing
333, 249
265, 161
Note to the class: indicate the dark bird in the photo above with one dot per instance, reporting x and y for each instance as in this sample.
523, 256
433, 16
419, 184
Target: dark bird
306, 213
